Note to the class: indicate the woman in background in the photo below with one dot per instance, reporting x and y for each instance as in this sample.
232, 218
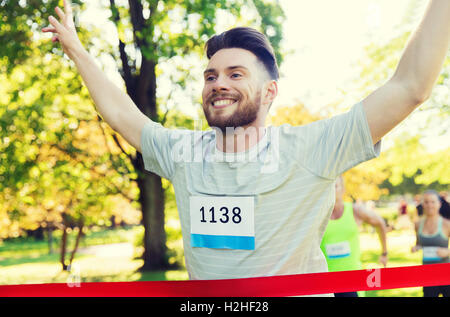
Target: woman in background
433, 233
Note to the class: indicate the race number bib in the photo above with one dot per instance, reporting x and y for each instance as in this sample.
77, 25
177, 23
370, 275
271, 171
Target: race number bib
430, 254
338, 250
222, 222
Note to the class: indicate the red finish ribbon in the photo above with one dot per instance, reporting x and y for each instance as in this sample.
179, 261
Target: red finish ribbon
271, 286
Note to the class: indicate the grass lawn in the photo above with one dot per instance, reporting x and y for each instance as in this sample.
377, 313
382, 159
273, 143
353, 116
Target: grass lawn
28, 262
399, 247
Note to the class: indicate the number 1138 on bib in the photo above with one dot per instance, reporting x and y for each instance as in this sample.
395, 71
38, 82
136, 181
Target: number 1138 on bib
222, 222
225, 218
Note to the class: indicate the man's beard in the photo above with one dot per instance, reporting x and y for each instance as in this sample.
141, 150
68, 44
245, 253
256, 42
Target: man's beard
244, 114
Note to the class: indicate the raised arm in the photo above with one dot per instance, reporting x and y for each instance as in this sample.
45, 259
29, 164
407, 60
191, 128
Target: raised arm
416, 73
115, 106
377, 222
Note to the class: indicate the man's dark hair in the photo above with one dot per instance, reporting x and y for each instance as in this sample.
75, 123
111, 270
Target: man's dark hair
248, 39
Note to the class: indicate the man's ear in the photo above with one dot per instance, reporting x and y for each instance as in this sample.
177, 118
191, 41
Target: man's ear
270, 92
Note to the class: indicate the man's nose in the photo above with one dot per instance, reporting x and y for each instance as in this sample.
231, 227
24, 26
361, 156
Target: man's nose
220, 84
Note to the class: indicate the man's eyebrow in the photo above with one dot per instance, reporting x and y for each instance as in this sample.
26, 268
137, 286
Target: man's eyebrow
237, 66
213, 70
209, 70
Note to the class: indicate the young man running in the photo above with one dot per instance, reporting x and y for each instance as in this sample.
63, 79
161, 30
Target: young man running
255, 200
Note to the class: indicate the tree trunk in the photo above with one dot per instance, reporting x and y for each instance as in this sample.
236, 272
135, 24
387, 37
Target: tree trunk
50, 238
150, 185
152, 206
63, 248
141, 87
77, 242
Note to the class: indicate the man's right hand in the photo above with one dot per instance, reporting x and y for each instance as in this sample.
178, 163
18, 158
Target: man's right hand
64, 30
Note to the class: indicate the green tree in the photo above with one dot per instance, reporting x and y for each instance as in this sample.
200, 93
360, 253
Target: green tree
152, 32
20, 21
410, 168
57, 170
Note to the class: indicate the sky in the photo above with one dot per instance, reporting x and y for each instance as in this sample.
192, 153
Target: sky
328, 38
325, 39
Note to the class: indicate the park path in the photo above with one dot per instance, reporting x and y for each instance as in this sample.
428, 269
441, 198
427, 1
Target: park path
125, 249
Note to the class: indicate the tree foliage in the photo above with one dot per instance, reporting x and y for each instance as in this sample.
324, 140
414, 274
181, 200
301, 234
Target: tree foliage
412, 169
20, 21
59, 166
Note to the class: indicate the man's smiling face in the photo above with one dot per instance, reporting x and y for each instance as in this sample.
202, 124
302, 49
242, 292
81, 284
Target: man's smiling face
232, 91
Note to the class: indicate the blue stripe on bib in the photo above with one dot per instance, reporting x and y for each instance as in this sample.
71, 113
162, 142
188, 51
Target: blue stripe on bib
222, 242
339, 256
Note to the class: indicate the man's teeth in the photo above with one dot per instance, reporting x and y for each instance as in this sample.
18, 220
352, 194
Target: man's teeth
223, 102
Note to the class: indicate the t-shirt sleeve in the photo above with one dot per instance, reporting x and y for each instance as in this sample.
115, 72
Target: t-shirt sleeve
332, 146
157, 144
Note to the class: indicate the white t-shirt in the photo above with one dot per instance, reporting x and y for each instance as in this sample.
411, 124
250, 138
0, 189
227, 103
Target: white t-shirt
289, 176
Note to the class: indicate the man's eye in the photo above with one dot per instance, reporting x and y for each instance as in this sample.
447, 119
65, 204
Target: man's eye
236, 75
210, 78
